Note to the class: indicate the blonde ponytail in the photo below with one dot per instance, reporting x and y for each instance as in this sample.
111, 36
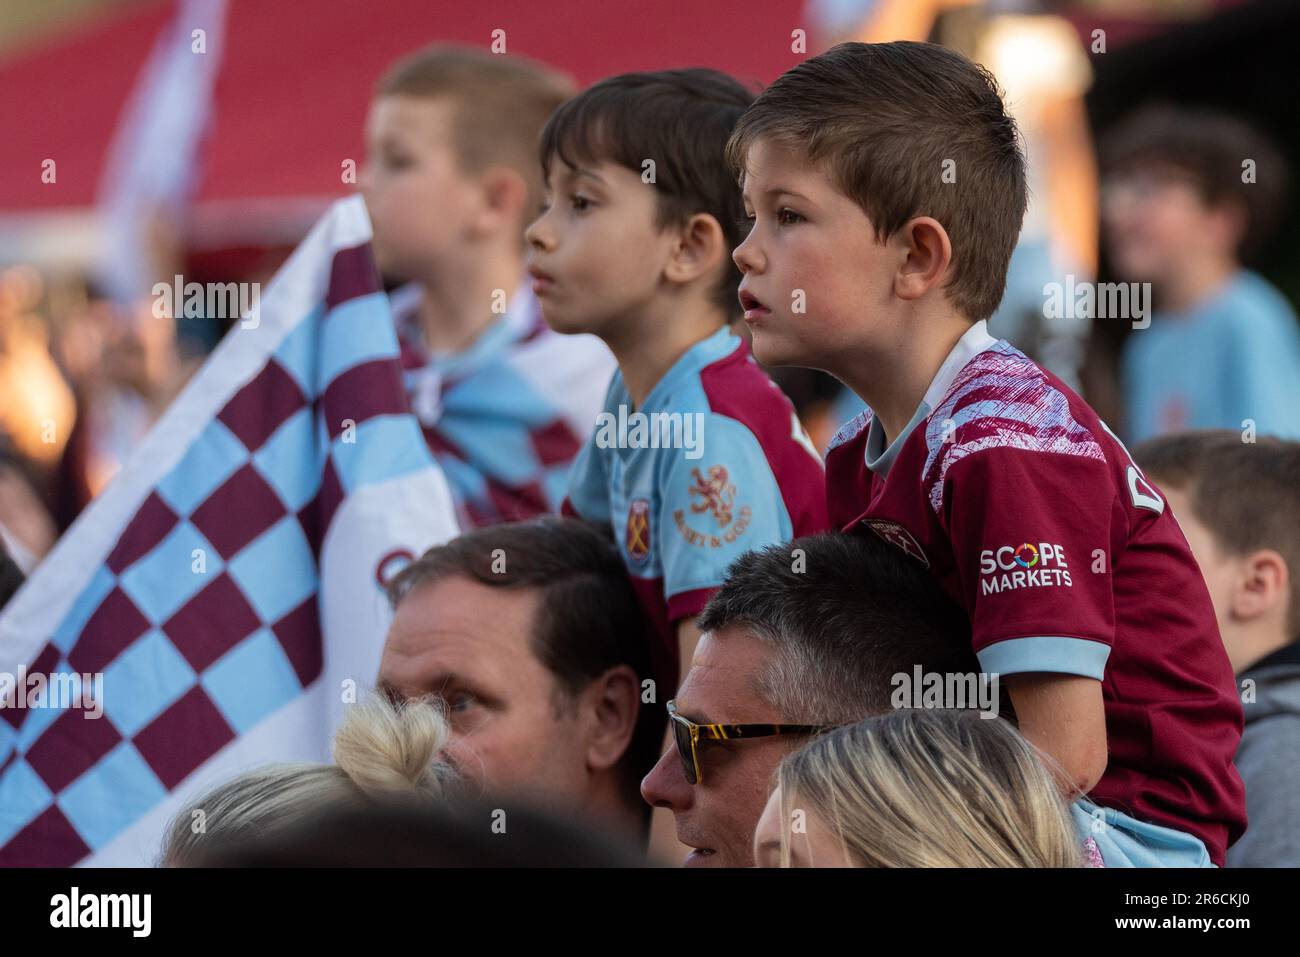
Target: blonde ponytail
383, 750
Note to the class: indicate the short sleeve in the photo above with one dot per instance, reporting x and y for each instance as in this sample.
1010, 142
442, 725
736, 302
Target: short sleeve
1031, 538
588, 493
715, 507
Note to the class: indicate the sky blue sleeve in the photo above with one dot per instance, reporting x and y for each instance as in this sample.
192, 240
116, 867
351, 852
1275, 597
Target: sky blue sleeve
588, 492
716, 507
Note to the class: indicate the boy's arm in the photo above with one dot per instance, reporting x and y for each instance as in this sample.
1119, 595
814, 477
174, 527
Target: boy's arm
1064, 717
1032, 536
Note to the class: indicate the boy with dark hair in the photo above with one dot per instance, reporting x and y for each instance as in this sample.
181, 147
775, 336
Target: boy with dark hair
451, 181
634, 246
887, 188
1187, 195
1239, 503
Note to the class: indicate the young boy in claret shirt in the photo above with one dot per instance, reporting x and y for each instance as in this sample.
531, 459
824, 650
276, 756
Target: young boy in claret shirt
886, 189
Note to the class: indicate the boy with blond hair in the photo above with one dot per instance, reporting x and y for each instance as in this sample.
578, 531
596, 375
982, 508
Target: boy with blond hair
451, 181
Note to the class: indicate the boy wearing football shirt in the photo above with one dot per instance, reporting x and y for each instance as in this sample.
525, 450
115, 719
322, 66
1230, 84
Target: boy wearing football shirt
697, 456
887, 187
451, 181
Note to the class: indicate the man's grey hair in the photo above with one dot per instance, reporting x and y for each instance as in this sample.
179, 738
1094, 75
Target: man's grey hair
845, 613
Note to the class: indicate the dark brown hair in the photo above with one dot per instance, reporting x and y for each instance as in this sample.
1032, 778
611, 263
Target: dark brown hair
884, 120
680, 119
1210, 148
1246, 493
501, 102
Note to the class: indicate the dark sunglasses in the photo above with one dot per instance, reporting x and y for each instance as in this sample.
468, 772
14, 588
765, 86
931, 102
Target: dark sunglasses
687, 735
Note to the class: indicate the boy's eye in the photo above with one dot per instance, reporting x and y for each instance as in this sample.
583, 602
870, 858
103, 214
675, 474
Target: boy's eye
579, 202
788, 217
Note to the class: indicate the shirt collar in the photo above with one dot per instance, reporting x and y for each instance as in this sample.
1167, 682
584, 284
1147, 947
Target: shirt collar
516, 323
708, 350
973, 341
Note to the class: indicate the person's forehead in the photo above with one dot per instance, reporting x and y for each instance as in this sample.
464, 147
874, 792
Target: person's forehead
773, 165
401, 114
440, 626
722, 684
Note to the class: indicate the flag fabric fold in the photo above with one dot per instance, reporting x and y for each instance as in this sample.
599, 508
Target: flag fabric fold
222, 601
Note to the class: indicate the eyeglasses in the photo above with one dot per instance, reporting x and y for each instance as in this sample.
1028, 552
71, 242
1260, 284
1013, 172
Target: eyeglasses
687, 735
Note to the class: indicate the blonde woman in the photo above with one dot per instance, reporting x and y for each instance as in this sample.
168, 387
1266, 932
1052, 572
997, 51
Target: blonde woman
916, 788
383, 751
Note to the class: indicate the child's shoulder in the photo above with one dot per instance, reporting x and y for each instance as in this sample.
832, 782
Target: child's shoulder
725, 381
1253, 306
740, 414
1002, 401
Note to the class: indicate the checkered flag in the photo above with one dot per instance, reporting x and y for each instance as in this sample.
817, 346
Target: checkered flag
220, 603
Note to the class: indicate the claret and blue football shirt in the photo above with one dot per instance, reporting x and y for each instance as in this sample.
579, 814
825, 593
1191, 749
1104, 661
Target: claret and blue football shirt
737, 471
1029, 511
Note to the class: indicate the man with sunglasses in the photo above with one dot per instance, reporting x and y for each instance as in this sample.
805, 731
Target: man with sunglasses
801, 638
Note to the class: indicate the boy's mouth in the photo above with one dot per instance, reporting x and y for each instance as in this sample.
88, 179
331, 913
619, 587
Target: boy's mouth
542, 282
754, 309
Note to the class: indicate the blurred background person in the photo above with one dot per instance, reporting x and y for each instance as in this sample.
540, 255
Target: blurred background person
37, 413
1189, 192
1239, 505
451, 179
916, 788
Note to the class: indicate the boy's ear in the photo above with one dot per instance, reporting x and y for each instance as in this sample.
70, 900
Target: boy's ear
504, 195
1262, 585
926, 253
700, 248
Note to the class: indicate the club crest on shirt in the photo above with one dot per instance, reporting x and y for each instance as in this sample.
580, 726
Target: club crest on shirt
716, 495
899, 537
637, 535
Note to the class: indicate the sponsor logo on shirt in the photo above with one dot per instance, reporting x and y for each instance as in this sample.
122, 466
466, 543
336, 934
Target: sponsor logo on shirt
717, 497
1023, 566
637, 535
899, 537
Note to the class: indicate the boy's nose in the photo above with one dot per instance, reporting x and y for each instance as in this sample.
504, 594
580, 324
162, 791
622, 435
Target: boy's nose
746, 256
537, 236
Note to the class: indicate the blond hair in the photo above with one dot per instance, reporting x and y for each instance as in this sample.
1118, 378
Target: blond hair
384, 750
501, 104
916, 788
